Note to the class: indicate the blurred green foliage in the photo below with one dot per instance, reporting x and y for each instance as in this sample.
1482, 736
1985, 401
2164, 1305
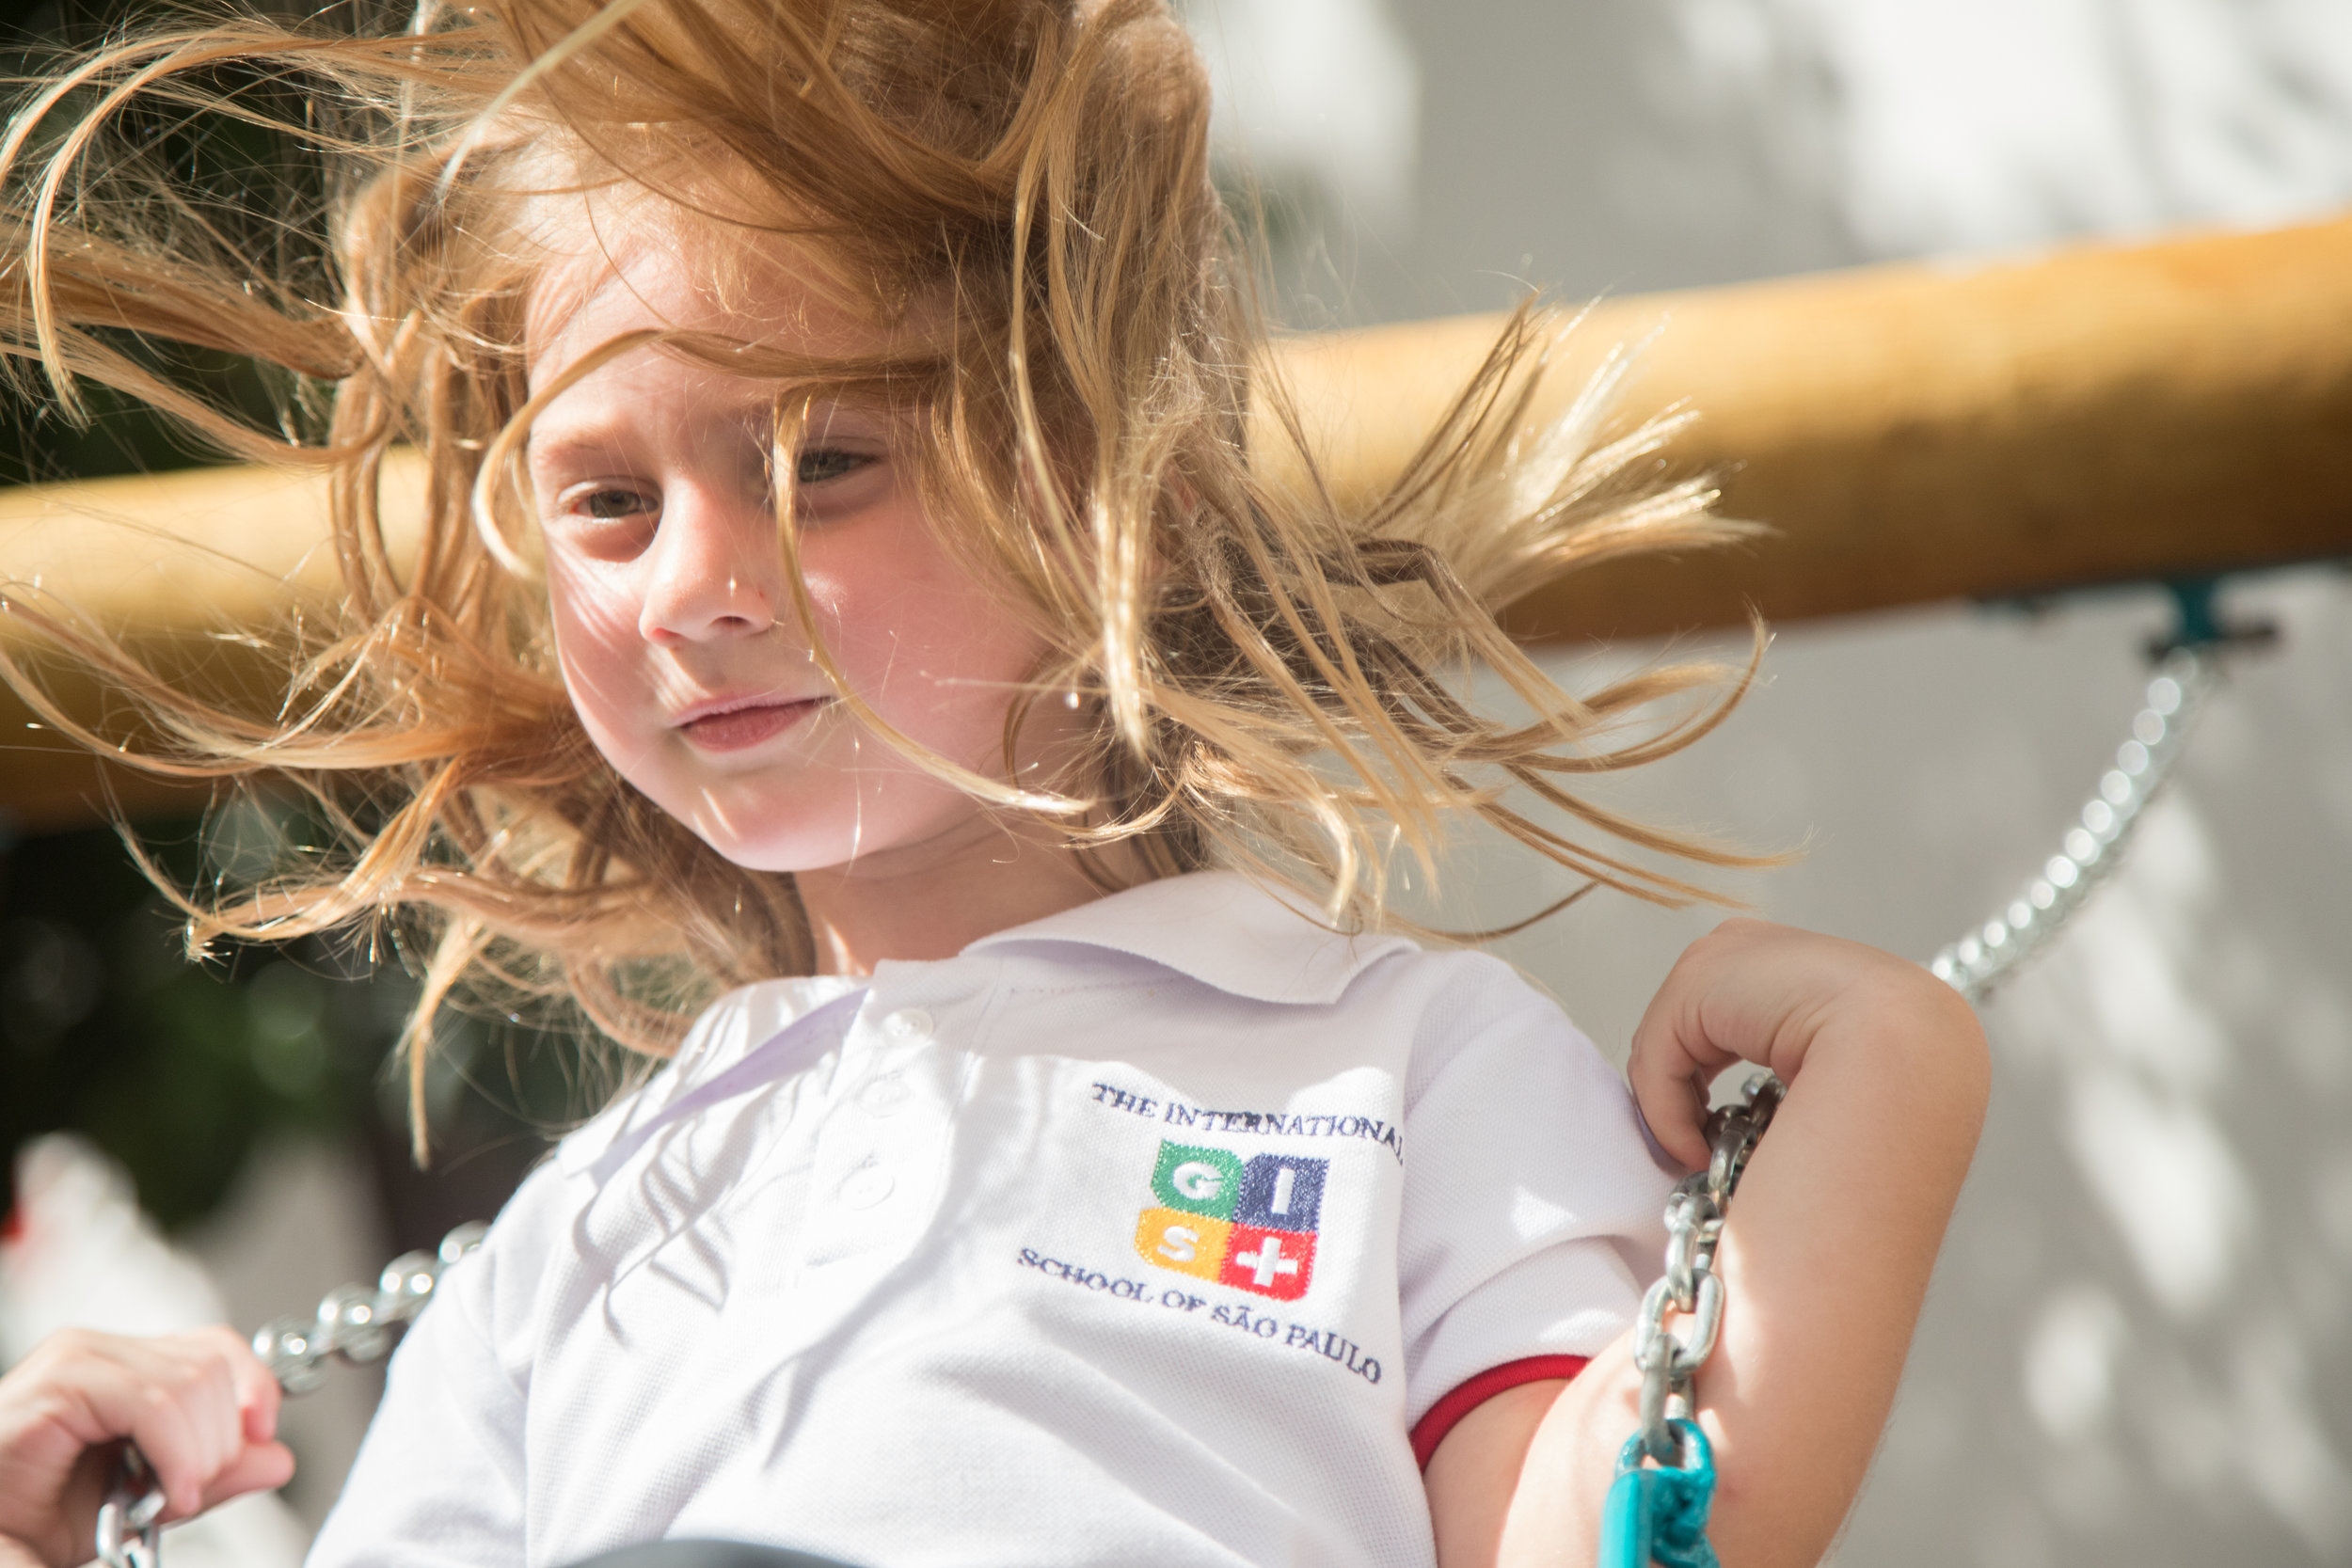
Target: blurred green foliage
177, 1067
173, 1067
260, 193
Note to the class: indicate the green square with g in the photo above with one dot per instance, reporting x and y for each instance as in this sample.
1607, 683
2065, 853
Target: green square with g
1198, 1180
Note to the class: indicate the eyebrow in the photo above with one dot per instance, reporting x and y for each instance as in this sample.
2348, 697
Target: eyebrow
562, 441
551, 438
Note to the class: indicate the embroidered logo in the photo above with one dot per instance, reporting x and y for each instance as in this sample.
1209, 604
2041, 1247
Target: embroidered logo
1250, 1226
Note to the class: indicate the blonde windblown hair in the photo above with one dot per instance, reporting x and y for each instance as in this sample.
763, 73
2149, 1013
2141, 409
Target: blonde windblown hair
1268, 672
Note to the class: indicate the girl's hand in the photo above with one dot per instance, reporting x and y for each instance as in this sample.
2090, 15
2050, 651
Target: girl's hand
200, 1406
1762, 994
1825, 1256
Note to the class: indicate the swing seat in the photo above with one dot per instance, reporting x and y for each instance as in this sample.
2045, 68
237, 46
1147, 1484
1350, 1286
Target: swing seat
706, 1554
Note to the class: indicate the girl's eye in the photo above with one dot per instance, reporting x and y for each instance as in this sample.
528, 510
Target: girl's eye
608, 505
605, 522
817, 465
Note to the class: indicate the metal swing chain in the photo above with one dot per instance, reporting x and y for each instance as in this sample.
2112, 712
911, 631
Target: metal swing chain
1660, 1514
1691, 1287
353, 1324
2090, 849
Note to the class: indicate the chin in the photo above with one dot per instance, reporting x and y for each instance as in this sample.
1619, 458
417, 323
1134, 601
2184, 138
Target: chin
799, 836
795, 848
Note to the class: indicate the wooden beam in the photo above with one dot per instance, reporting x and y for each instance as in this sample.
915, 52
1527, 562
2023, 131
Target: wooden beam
1928, 432
1911, 433
179, 566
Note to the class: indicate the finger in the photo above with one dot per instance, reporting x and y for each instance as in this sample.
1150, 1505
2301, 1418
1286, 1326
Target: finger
173, 1449
97, 1383
1673, 1109
261, 1468
257, 1394
191, 1376
194, 1374
216, 1401
1675, 1057
1664, 1081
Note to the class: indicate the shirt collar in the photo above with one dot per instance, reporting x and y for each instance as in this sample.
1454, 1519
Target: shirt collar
1217, 927
1220, 928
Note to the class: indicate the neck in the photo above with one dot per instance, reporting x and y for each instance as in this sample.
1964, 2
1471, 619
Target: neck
933, 901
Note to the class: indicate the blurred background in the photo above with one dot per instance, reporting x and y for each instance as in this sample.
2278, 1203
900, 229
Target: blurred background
2140, 1345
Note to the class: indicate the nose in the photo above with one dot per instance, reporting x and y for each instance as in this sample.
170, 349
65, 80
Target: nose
713, 571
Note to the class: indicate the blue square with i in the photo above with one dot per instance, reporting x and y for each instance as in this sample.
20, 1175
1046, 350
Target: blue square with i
1280, 1191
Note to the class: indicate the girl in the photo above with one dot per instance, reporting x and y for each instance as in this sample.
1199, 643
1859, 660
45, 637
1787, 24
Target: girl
859, 610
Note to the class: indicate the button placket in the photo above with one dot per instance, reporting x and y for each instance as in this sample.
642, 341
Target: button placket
907, 1032
866, 1187
881, 1143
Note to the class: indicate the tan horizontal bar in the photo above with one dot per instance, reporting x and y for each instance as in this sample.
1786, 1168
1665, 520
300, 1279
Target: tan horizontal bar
1928, 432
179, 566
1911, 433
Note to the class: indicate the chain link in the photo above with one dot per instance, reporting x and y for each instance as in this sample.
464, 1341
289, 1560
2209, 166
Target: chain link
1689, 1288
353, 1324
130, 1534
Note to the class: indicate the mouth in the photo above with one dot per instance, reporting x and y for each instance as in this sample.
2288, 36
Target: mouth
736, 725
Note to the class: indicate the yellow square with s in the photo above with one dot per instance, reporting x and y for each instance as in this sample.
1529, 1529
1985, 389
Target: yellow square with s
1188, 1243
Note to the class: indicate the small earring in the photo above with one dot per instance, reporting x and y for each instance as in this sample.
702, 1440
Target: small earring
1070, 699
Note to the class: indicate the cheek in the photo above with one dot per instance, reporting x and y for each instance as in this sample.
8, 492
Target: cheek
596, 644
936, 653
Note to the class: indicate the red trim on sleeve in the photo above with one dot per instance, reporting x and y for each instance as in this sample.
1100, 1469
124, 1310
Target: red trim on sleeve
1448, 1412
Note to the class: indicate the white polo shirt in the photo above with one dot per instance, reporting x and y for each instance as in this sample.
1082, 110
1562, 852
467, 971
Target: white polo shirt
1138, 1235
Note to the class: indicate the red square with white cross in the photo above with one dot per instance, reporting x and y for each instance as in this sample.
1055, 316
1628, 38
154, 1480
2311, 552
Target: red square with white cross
1277, 1263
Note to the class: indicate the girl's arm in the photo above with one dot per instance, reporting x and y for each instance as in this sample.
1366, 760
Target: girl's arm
200, 1406
1825, 1256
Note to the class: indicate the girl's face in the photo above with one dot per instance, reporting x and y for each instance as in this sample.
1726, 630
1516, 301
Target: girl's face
672, 620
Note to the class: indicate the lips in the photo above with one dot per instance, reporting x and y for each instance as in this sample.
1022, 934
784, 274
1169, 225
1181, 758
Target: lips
735, 726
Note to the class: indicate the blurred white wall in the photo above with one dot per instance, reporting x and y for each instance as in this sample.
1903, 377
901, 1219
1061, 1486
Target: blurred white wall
1963, 123
2140, 1346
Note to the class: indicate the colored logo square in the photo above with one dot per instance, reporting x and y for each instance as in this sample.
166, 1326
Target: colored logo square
1198, 1180
1280, 1191
1189, 1244
1277, 1263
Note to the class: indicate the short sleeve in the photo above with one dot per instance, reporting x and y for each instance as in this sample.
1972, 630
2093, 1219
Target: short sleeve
438, 1482
1533, 1203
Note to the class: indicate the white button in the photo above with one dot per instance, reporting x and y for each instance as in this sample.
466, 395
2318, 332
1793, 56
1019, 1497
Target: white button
865, 1186
908, 1024
884, 1095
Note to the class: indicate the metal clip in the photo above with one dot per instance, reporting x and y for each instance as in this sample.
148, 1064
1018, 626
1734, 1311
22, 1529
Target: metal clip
130, 1532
